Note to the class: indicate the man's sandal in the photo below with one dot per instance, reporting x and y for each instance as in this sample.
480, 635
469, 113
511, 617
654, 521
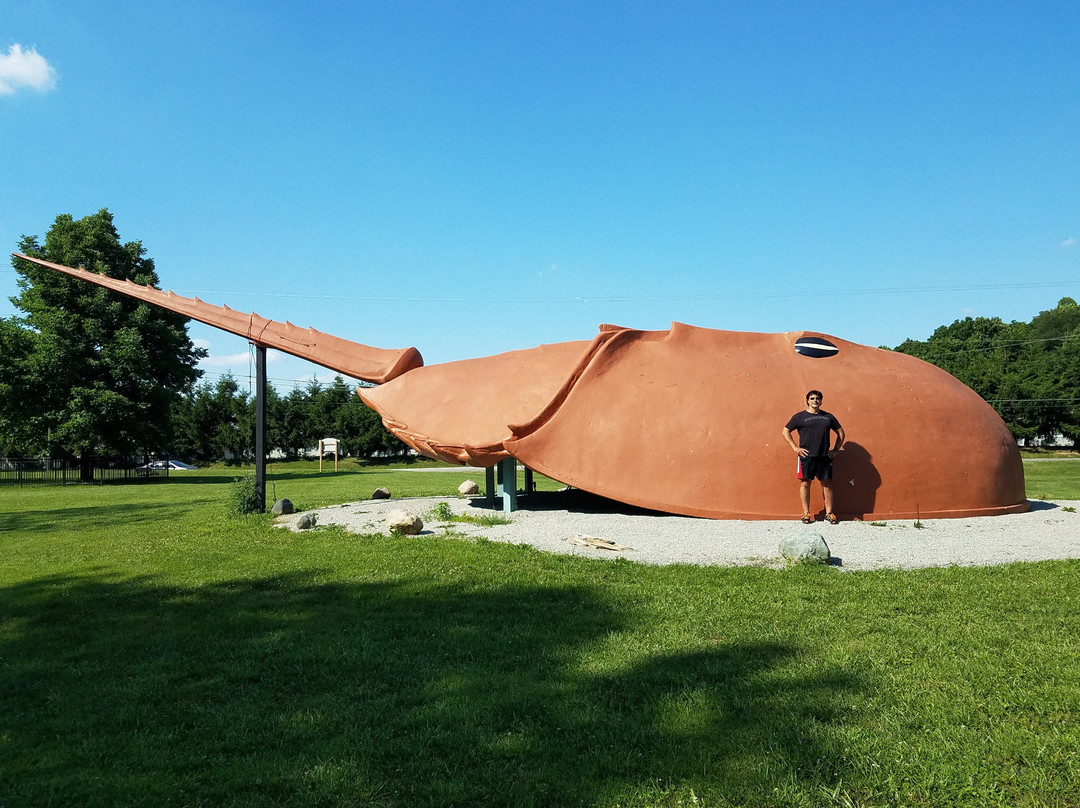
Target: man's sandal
832, 518
807, 518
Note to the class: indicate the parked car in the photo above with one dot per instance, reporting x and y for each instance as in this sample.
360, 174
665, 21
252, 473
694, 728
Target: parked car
171, 465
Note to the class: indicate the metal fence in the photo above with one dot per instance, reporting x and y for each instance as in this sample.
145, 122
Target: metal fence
70, 471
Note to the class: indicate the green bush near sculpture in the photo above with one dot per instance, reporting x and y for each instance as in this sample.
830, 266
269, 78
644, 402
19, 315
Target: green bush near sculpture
442, 513
244, 496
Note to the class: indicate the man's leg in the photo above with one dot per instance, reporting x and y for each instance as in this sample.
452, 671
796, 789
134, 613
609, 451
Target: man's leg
804, 495
827, 490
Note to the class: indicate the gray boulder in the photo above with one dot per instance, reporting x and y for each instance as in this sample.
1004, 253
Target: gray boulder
468, 487
402, 521
381, 493
805, 545
282, 506
307, 521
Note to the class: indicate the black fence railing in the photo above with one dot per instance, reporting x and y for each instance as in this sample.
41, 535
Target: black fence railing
80, 471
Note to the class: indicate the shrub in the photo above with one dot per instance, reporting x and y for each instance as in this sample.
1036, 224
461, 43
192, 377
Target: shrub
244, 496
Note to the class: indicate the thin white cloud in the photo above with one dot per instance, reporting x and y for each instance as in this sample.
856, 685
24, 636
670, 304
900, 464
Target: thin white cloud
233, 360
27, 69
1068, 242
221, 361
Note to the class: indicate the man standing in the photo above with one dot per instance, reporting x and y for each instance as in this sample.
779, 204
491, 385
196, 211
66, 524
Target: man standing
815, 457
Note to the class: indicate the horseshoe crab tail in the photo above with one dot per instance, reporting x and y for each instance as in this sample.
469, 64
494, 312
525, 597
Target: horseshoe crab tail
375, 365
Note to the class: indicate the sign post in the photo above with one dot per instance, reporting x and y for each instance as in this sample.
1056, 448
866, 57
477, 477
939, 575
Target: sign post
328, 445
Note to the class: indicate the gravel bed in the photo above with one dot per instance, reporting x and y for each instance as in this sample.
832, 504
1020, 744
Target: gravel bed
1047, 531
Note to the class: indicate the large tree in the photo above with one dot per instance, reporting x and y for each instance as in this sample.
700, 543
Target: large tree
17, 387
96, 372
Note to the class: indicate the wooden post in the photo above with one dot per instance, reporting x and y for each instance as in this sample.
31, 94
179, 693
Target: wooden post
327, 445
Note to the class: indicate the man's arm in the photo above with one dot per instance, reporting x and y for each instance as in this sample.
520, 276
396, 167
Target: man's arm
791, 442
840, 438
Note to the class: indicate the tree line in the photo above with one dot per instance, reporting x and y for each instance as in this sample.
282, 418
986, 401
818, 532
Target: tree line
1029, 372
217, 422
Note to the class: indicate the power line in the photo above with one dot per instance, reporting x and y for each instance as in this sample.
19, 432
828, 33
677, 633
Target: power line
891, 290
276, 380
1062, 401
638, 298
994, 347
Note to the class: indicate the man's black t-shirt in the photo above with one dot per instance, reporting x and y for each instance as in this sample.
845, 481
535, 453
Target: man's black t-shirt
813, 429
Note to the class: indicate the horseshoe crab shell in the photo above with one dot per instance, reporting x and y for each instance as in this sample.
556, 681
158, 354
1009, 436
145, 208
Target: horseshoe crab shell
685, 420
688, 421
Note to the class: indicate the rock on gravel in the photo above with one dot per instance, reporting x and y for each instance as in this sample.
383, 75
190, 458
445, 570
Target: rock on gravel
402, 521
805, 545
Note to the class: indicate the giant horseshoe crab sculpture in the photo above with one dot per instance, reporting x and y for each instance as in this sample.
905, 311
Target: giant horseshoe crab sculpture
685, 420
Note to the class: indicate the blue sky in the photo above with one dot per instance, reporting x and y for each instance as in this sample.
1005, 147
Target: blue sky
471, 178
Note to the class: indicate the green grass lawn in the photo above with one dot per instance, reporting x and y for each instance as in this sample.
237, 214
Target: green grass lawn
1053, 479
156, 651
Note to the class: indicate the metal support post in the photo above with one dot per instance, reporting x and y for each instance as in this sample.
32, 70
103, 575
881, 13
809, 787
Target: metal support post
260, 427
507, 485
489, 487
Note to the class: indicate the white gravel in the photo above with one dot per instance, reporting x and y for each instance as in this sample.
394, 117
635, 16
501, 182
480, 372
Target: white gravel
1048, 531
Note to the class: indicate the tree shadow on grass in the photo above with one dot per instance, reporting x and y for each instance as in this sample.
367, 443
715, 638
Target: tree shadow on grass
125, 515
288, 690
225, 475
194, 478
233, 472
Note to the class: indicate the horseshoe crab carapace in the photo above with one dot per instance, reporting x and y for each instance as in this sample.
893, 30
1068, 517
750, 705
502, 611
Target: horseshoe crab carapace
684, 421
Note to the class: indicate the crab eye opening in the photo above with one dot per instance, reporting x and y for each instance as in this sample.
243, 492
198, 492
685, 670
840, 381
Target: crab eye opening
815, 347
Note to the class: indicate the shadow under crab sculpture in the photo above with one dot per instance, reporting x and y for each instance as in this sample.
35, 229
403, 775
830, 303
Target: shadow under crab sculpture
683, 421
